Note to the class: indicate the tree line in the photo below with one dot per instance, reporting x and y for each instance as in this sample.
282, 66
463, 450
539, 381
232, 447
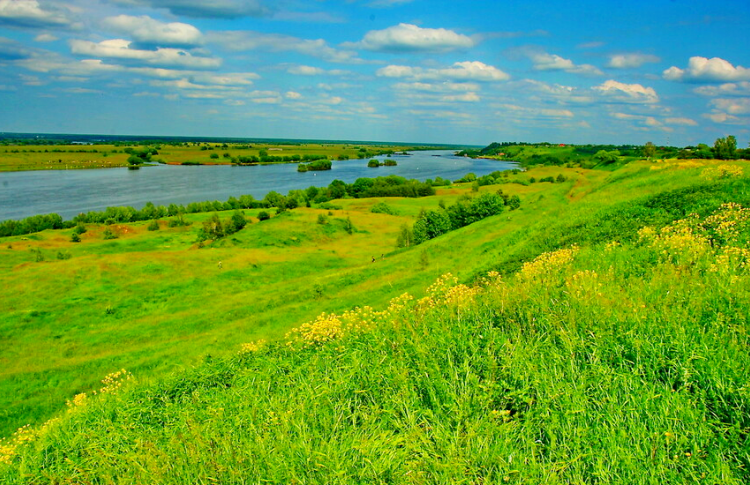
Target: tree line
391, 186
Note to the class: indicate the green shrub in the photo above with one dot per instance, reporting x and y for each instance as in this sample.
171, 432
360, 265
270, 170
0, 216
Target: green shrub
383, 208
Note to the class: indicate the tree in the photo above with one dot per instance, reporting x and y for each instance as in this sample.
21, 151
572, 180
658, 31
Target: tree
431, 225
649, 150
725, 148
405, 237
603, 156
238, 221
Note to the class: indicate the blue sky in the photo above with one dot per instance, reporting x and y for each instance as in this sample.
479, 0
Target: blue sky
469, 72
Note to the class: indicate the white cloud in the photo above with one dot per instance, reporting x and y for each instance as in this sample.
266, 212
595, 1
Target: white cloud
529, 112
627, 93
725, 118
443, 87
463, 71
727, 89
205, 9
735, 106
120, 49
644, 123
28, 13
45, 38
624, 61
681, 121
306, 71
292, 95
145, 30
701, 69
240, 40
552, 62
410, 38
464, 98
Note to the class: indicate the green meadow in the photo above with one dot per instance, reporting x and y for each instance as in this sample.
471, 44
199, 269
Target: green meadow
597, 334
68, 157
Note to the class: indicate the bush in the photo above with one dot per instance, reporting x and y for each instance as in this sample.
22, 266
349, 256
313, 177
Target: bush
109, 234
322, 219
373, 163
514, 202
383, 208
75, 238
154, 226
430, 225
263, 216
238, 221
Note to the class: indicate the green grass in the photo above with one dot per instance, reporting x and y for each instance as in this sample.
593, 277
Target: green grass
66, 157
622, 365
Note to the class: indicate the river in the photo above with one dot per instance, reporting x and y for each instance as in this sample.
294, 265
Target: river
70, 192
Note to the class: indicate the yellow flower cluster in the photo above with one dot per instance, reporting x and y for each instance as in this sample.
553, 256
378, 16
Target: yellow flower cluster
439, 288
583, 284
728, 221
722, 172
681, 244
611, 246
114, 381
731, 260
323, 329
718, 241
9, 448
547, 263
77, 401
252, 346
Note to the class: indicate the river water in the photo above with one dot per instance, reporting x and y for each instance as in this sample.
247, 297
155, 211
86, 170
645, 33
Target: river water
70, 192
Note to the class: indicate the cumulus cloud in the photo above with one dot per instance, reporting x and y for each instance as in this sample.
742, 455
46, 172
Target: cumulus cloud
735, 106
246, 40
727, 89
147, 31
627, 93
411, 38
463, 71
121, 49
701, 69
681, 121
724, 118
292, 95
624, 61
227, 9
29, 13
552, 62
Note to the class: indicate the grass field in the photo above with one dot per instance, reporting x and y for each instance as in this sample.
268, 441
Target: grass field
618, 361
68, 157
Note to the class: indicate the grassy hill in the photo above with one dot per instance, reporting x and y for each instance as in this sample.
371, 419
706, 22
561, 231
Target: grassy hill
598, 334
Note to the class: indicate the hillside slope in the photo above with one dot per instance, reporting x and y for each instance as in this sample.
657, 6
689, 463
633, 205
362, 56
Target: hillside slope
594, 351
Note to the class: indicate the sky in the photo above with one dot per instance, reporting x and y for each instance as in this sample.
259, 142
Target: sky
421, 71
